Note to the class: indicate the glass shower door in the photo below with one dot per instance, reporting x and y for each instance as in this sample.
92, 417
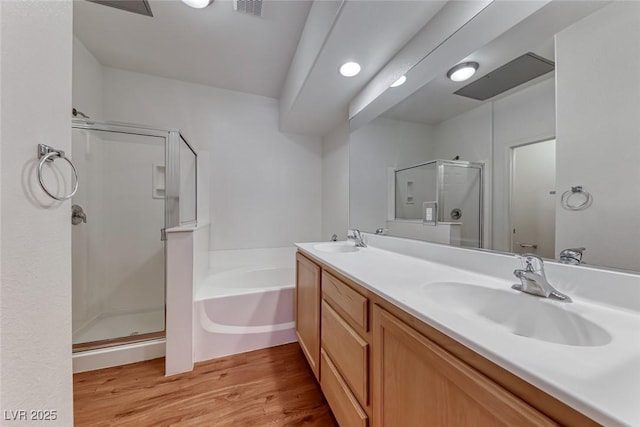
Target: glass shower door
461, 201
118, 258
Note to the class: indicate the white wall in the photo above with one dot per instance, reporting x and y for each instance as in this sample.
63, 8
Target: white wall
523, 117
87, 81
318, 26
35, 314
335, 183
598, 102
373, 149
265, 185
467, 135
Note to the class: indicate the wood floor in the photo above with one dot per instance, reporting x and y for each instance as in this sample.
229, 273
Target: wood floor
270, 387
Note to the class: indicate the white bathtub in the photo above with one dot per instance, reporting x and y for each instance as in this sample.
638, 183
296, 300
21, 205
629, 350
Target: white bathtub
246, 303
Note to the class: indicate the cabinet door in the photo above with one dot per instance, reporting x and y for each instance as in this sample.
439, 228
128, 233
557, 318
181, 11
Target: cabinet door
417, 383
307, 310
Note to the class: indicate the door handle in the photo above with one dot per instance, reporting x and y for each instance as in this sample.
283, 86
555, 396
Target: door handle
528, 245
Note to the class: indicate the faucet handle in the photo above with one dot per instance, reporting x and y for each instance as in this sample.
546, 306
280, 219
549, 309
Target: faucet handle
571, 256
532, 263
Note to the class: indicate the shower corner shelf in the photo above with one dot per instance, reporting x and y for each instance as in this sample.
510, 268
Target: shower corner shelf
157, 180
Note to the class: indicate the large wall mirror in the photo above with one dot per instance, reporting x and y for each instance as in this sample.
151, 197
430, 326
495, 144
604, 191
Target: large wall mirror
538, 152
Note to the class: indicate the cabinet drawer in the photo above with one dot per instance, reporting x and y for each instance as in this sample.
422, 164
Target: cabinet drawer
348, 351
343, 404
354, 305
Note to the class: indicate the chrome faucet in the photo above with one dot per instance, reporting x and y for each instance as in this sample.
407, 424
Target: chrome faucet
356, 237
571, 256
534, 281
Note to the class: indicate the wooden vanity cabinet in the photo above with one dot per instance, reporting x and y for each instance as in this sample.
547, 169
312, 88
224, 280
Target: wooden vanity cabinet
416, 382
307, 310
380, 366
345, 349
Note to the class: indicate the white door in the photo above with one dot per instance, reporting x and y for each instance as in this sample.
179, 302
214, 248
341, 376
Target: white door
533, 172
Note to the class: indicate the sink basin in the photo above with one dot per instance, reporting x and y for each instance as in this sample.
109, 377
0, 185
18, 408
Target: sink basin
519, 313
336, 247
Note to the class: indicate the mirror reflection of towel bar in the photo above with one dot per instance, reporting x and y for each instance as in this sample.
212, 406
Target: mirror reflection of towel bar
576, 190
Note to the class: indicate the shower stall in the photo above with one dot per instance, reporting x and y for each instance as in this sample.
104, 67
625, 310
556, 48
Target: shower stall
135, 182
443, 192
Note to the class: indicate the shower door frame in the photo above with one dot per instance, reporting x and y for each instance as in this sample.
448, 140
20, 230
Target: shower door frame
171, 208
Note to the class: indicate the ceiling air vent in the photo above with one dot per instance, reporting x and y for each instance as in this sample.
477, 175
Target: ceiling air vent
140, 7
252, 7
520, 70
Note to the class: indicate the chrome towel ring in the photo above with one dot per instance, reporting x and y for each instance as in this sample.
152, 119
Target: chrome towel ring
584, 199
49, 154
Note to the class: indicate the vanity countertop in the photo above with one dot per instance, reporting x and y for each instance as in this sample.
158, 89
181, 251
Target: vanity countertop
602, 381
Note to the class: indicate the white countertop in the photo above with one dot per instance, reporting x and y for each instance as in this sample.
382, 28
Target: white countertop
602, 382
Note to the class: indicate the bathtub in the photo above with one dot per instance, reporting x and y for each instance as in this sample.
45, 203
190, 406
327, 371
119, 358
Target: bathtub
245, 303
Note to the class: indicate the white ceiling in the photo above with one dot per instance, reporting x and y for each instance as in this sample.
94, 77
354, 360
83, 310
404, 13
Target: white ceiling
214, 46
436, 101
368, 32
218, 47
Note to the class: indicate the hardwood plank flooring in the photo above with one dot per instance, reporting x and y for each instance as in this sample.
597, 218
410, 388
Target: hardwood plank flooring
270, 387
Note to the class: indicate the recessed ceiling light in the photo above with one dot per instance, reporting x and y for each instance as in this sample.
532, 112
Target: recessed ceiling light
463, 71
197, 4
400, 81
350, 69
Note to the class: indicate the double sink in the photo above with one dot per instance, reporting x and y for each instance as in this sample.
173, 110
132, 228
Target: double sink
506, 310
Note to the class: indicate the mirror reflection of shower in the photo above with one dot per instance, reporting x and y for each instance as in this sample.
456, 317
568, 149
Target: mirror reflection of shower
441, 200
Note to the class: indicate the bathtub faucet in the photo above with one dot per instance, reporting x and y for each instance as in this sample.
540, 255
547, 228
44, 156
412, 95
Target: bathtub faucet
356, 237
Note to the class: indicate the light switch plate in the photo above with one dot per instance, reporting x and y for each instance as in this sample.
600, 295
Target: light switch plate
430, 213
